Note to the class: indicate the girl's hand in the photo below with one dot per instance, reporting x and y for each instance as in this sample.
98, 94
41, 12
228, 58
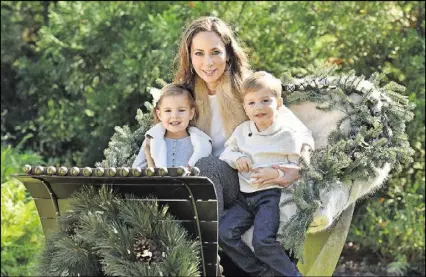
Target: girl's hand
243, 164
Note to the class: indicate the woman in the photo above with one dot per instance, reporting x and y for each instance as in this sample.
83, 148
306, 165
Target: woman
213, 65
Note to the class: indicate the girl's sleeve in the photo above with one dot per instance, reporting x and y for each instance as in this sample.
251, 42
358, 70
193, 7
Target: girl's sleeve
202, 147
140, 160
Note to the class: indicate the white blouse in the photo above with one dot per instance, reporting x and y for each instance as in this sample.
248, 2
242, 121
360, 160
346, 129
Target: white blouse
217, 131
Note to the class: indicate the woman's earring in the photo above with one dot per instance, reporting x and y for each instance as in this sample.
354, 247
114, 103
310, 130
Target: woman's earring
227, 68
192, 71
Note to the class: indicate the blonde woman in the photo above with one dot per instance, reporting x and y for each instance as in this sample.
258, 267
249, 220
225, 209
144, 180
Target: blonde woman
211, 62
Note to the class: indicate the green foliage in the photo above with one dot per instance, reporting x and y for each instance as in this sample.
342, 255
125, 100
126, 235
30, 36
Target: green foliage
391, 223
97, 237
376, 117
88, 79
72, 71
12, 160
21, 233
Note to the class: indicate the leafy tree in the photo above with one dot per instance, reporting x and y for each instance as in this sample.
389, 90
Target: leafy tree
71, 71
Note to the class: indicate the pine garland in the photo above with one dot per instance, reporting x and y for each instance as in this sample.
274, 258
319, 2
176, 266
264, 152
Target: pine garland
376, 117
105, 234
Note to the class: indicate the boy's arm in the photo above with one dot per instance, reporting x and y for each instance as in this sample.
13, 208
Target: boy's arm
231, 153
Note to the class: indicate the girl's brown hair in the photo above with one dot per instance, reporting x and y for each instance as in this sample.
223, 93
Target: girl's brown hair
172, 90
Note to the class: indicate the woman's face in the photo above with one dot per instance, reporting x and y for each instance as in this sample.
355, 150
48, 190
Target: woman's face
209, 57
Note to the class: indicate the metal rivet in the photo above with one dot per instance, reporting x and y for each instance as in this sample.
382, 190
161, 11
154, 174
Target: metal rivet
75, 171
195, 171
149, 171
137, 171
51, 170
162, 171
125, 171
39, 170
27, 169
99, 171
87, 171
182, 171
63, 171
111, 172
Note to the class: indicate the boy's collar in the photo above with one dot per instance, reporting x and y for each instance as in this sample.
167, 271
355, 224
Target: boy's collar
271, 130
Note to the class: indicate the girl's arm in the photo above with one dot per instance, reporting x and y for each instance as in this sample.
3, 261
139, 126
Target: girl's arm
140, 160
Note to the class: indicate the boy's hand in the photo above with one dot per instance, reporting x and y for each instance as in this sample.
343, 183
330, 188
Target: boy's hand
264, 175
243, 164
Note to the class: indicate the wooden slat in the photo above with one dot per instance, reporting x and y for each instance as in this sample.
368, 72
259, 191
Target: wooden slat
208, 229
210, 251
49, 225
46, 208
207, 210
35, 187
166, 191
211, 269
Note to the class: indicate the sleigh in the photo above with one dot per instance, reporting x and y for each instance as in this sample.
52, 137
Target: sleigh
191, 199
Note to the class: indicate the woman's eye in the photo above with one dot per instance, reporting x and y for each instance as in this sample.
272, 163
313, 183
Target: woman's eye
217, 52
265, 100
167, 111
251, 103
182, 110
198, 53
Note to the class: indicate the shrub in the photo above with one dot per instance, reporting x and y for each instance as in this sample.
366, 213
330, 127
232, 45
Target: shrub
21, 232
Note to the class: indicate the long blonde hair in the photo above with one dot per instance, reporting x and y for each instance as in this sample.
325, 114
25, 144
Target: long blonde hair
229, 91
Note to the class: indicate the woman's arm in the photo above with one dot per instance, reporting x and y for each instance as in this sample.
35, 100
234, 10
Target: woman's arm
290, 174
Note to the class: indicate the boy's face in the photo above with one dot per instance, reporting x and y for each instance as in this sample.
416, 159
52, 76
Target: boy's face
261, 107
175, 112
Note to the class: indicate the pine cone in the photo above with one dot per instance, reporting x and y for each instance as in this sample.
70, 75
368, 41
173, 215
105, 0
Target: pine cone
146, 250
72, 228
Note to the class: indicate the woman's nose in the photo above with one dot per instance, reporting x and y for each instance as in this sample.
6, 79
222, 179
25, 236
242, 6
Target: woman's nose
209, 60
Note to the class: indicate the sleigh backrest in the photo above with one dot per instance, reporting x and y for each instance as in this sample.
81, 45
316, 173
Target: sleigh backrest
191, 199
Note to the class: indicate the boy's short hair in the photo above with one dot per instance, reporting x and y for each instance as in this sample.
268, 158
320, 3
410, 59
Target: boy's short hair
261, 80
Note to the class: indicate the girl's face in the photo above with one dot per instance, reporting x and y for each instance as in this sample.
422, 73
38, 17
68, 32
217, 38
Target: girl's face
209, 57
175, 112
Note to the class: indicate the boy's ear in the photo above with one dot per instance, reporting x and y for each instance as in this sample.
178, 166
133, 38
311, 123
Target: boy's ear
280, 102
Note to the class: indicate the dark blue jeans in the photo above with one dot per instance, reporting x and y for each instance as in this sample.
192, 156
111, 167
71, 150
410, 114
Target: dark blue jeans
260, 209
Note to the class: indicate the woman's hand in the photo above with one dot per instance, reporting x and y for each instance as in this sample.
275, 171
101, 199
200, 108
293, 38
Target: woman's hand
262, 180
262, 175
290, 175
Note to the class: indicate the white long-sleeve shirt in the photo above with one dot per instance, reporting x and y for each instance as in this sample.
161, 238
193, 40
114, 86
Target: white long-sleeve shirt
279, 144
